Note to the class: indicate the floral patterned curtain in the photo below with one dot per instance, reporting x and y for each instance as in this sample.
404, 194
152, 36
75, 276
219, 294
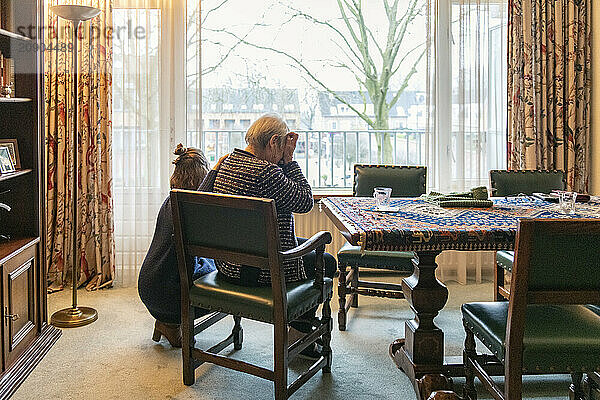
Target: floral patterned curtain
95, 209
549, 87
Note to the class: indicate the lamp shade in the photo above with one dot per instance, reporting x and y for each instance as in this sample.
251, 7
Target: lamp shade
75, 12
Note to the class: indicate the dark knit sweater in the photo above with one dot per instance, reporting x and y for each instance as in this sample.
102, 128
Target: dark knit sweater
158, 283
244, 174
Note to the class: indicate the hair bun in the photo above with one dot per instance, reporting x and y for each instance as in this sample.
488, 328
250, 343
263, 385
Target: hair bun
180, 150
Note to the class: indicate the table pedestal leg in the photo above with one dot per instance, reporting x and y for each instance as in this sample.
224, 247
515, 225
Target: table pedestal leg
422, 350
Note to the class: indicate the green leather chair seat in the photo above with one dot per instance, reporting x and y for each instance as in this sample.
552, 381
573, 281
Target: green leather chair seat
217, 294
505, 259
395, 260
558, 338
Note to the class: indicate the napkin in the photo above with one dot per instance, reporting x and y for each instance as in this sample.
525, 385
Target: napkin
476, 197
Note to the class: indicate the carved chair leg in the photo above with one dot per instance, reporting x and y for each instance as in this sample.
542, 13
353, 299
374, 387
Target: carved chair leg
238, 333
342, 297
576, 388
187, 333
355, 286
326, 319
469, 391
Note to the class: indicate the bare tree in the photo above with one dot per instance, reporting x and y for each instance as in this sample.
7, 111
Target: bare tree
373, 62
309, 110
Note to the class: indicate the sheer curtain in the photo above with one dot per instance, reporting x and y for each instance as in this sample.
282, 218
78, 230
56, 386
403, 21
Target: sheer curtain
144, 128
468, 92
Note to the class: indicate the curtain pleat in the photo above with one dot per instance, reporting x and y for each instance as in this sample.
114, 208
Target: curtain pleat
549, 86
95, 217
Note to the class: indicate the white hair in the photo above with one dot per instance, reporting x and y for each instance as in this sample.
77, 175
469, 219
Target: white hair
263, 129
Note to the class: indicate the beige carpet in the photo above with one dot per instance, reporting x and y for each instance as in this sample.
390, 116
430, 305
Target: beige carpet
115, 358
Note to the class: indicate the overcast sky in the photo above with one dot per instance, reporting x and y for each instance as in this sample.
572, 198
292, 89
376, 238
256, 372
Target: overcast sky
314, 45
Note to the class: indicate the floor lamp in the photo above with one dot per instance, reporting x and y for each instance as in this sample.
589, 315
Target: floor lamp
74, 316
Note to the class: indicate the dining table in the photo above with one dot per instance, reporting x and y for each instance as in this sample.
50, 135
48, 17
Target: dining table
424, 227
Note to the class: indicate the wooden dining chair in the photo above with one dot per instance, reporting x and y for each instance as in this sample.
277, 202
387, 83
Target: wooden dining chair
405, 181
514, 183
545, 327
244, 230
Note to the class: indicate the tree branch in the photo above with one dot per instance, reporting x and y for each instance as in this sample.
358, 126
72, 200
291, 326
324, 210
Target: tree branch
404, 85
327, 24
208, 12
408, 53
352, 71
300, 64
370, 68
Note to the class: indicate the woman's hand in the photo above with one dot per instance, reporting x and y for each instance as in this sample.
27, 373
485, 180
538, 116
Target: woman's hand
218, 164
290, 147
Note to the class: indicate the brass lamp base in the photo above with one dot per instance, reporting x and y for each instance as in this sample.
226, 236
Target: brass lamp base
74, 317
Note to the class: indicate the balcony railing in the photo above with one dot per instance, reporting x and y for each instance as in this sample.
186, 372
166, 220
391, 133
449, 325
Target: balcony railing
327, 157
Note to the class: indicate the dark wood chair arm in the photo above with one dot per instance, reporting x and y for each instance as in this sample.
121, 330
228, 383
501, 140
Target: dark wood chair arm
318, 239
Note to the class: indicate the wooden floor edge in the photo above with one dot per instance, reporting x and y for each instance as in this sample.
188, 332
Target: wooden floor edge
13, 377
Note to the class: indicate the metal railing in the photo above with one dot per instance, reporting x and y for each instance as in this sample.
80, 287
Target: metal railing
327, 157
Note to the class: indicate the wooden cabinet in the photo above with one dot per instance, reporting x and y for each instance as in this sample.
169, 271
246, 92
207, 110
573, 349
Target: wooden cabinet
19, 314
25, 335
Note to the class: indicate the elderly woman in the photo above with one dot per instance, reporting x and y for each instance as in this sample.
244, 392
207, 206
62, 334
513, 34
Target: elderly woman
266, 169
158, 283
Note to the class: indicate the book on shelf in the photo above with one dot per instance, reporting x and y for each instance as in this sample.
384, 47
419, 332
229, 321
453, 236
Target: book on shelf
6, 16
1, 70
6, 76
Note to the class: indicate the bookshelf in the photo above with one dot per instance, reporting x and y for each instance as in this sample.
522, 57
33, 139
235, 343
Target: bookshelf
26, 335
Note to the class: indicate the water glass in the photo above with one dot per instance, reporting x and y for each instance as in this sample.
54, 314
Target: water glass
382, 196
567, 202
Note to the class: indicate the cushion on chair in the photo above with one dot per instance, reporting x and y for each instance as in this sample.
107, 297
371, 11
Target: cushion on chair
215, 293
395, 260
558, 338
505, 259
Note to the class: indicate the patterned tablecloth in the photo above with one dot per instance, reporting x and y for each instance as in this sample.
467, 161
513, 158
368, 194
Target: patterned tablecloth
422, 226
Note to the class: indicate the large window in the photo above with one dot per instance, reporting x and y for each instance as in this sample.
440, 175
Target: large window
370, 85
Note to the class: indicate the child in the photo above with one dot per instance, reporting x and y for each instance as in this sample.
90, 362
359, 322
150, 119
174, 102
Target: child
158, 283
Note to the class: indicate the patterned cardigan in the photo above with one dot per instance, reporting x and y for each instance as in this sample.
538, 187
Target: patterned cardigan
245, 175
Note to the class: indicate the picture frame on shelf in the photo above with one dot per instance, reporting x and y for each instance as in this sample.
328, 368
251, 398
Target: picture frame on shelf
13, 148
6, 164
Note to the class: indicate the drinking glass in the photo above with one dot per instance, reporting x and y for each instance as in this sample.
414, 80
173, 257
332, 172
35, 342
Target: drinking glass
567, 202
382, 196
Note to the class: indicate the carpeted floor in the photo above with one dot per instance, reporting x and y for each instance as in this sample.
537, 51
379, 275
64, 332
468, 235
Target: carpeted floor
115, 358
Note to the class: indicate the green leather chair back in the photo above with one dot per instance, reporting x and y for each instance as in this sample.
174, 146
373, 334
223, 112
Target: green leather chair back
405, 181
206, 221
565, 255
512, 183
